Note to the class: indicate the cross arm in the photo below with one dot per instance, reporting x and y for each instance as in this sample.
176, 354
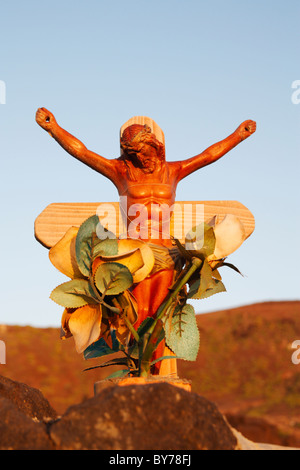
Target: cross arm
51, 225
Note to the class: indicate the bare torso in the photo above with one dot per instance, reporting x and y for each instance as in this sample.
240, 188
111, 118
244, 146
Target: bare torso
151, 193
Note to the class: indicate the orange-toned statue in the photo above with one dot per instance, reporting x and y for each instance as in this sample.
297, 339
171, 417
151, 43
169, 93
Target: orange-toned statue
143, 175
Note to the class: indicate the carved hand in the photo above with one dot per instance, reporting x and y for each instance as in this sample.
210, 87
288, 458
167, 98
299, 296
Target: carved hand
45, 119
246, 129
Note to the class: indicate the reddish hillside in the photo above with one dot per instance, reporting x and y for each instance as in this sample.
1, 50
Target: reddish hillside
244, 365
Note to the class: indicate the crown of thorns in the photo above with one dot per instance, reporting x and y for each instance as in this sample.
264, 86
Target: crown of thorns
136, 135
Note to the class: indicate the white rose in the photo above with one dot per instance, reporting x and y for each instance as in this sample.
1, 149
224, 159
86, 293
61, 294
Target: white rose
230, 234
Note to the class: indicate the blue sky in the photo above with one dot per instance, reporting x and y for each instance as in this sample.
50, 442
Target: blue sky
198, 69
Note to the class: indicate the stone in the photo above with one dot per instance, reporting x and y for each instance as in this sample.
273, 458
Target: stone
155, 416
143, 417
28, 400
20, 432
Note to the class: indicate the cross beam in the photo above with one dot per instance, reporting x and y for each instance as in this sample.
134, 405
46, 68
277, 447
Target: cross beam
57, 218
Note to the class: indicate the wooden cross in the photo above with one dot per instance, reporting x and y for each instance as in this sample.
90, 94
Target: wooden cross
52, 224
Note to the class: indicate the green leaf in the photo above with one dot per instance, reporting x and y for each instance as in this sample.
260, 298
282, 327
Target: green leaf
142, 330
205, 281
84, 243
200, 241
182, 334
232, 266
192, 293
104, 234
163, 358
216, 274
100, 348
145, 325
206, 285
197, 292
114, 362
74, 294
93, 240
112, 278
108, 247
185, 253
118, 374
217, 288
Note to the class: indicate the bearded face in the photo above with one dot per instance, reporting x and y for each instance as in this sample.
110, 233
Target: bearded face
140, 144
148, 158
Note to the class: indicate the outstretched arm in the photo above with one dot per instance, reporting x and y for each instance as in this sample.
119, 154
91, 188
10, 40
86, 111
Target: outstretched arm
74, 147
216, 151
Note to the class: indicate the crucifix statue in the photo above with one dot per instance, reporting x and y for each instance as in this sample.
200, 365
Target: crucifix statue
145, 178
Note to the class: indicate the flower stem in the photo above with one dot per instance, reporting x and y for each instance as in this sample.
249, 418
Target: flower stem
122, 313
155, 329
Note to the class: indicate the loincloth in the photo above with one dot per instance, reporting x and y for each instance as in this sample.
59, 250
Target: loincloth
165, 258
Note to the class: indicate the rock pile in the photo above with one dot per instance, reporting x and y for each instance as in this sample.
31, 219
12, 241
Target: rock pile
155, 416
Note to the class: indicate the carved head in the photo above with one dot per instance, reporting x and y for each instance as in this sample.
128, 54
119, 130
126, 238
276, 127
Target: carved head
138, 141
